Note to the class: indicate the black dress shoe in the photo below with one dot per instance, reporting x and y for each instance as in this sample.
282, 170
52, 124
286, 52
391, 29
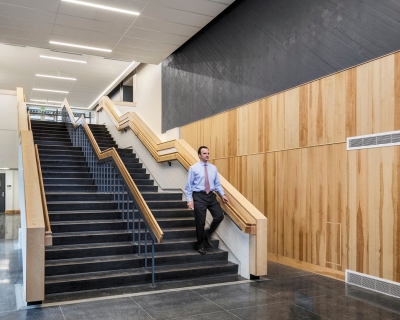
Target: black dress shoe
201, 249
207, 238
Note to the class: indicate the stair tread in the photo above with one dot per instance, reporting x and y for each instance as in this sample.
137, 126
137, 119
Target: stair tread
59, 223
108, 232
112, 244
129, 272
132, 256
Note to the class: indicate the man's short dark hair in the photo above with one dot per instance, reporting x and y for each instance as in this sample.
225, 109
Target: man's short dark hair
202, 147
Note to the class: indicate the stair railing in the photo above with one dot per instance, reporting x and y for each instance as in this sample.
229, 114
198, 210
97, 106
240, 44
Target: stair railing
111, 176
246, 216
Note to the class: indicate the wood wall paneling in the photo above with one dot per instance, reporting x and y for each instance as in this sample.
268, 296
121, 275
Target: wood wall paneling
326, 206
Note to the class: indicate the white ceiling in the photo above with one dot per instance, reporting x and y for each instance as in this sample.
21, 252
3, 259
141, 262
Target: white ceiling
27, 26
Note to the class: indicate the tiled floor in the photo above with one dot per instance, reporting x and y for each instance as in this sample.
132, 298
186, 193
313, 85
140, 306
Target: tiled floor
286, 293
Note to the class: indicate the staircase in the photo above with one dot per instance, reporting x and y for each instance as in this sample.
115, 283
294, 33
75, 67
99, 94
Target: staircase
91, 247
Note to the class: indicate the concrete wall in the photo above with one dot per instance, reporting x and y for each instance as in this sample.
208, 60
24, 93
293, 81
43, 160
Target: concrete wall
256, 48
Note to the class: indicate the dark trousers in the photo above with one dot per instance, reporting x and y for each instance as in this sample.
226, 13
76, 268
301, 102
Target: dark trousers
202, 202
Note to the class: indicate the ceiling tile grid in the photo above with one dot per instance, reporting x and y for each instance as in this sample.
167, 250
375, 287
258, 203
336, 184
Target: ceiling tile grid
27, 27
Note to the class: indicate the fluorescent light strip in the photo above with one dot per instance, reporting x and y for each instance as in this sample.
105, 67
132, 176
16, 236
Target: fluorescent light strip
62, 59
48, 90
43, 104
79, 46
112, 83
88, 4
54, 77
47, 101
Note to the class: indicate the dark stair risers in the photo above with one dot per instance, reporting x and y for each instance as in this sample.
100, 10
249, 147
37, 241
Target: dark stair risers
128, 261
92, 247
107, 279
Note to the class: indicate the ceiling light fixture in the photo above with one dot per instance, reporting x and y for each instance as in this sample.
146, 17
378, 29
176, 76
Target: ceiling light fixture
48, 90
54, 77
43, 104
88, 4
112, 83
79, 46
47, 101
62, 59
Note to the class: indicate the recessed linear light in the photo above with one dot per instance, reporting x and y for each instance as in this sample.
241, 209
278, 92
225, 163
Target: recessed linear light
62, 59
88, 4
4, 168
48, 90
54, 77
47, 101
79, 46
112, 83
43, 104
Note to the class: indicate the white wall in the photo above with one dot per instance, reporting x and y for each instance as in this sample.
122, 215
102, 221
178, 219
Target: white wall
148, 95
8, 131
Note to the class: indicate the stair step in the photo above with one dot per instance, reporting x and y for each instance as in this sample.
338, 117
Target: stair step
63, 180
109, 248
105, 279
52, 168
129, 261
70, 187
114, 224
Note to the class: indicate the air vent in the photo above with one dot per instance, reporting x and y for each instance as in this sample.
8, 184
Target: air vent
385, 139
373, 283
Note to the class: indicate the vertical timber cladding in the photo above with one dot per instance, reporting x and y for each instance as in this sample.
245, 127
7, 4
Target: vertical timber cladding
257, 48
287, 154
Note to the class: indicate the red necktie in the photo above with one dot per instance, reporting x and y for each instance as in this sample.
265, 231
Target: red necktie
206, 178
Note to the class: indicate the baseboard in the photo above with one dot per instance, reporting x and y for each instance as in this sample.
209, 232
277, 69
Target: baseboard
324, 271
12, 212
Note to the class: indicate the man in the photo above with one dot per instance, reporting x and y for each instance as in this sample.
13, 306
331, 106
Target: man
202, 180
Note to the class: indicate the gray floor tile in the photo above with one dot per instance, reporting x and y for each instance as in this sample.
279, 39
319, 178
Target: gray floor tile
175, 304
222, 315
281, 311
237, 296
278, 271
53, 313
341, 307
7, 300
117, 309
291, 289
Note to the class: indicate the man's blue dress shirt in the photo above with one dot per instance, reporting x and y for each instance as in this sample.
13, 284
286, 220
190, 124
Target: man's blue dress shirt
196, 180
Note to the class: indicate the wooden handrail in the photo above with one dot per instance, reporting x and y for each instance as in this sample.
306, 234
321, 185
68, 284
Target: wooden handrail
29, 121
246, 216
42, 193
112, 153
242, 211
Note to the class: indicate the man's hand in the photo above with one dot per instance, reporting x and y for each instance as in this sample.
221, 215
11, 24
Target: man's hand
225, 199
190, 205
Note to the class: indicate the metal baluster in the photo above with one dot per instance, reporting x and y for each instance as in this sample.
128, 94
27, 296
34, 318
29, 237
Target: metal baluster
123, 201
133, 221
127, 213
139, 222
152, 262
145, 248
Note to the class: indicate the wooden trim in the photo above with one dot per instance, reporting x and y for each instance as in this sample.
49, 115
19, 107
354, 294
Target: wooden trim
8, 92
242, 212
20, 95
112, 153
12, 212
35, 227
246, 216
327, 272
125, 103
42, 193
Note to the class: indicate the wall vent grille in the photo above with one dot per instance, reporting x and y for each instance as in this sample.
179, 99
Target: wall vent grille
385, 139
373, 283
